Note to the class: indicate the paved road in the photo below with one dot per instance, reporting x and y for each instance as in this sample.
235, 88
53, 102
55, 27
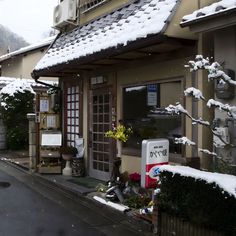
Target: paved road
29, 208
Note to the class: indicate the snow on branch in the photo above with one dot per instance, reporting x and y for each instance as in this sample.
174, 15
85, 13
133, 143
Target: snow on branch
214, 69
184, 140
199, 63
200, 121
178, 109
222, 107
196, 93
207, 152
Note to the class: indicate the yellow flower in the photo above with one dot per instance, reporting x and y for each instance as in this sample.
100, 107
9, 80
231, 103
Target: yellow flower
120, 133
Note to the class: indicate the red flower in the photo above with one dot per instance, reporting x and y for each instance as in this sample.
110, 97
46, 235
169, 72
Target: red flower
135, 177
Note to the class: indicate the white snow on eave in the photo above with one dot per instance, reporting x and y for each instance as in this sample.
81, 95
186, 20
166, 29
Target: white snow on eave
45, 42
6, 80
149, 20
210, 10
224, 181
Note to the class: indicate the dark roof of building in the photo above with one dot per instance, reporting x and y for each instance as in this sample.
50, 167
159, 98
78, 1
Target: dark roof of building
131, 23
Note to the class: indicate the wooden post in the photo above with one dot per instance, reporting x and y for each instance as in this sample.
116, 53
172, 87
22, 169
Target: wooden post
32, 142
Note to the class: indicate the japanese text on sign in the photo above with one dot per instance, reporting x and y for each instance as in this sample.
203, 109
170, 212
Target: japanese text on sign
155, 152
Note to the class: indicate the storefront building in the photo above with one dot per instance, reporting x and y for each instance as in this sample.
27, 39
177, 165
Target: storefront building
124, 66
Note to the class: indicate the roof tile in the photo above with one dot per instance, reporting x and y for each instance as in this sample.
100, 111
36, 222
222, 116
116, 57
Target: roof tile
137, 20
215, 8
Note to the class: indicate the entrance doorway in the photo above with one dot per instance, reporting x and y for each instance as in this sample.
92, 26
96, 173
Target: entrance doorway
101, 148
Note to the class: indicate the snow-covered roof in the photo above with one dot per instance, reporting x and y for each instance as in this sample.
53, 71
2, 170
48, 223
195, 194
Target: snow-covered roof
7, 80
128, 24
224, 181
211, 10
29, 48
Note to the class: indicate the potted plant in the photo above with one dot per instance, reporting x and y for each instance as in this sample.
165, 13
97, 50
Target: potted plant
120, 134
67, 154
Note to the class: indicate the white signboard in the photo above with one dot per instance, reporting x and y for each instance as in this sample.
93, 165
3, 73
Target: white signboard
51, 139
44, 105
51, 121
155, 152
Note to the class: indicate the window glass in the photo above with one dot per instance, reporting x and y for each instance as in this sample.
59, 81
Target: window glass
143, 110
72, 121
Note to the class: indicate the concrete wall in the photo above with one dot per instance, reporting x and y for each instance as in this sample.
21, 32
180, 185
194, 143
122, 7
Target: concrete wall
29, 62
12, 67
21, 66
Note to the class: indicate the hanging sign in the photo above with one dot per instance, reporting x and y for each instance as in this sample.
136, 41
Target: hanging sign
152, 95
44, 105
155, 152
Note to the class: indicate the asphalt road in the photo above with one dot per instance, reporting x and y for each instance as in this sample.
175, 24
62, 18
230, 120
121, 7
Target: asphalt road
30, 208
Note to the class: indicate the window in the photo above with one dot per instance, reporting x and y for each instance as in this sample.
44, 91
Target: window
72, 102
143, 109
87, 5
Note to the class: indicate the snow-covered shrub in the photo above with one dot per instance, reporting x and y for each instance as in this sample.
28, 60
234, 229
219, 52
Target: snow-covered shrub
203, 198
17, 99
17, 138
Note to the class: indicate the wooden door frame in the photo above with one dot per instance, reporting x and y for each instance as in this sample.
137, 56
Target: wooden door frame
112, 91
66, 82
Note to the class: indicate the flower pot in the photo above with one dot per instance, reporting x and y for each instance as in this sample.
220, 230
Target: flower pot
67, 170
67, 157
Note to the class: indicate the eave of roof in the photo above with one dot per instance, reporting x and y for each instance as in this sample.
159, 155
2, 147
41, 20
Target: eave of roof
29, 48
6, 80
208, 17
120, 30
216, 9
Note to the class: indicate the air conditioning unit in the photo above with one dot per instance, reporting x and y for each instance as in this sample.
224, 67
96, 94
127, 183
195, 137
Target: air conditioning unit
226, 90
223, 132
65, 13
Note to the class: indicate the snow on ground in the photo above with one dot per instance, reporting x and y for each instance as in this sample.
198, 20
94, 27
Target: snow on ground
224, 181
117, 206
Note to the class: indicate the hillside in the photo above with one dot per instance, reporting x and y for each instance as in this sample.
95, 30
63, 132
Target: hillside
10, 40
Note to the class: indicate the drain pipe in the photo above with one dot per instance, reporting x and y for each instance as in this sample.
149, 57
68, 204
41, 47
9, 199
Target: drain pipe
43, 83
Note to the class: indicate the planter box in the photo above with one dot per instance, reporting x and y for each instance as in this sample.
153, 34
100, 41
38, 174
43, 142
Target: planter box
49, 169
50, 162
49, 154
